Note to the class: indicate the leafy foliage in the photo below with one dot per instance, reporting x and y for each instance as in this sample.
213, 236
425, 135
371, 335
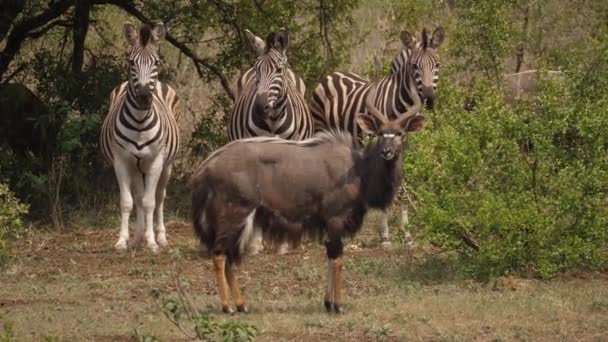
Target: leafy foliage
11, 223
200, 323
517, 188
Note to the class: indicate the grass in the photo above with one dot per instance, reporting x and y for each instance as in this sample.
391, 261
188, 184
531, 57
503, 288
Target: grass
89, 292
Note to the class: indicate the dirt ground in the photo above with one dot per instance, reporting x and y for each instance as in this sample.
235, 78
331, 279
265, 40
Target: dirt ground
75, 287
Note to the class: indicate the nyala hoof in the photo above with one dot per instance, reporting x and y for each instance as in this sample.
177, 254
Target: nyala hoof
333, 307
227, 310
242, 308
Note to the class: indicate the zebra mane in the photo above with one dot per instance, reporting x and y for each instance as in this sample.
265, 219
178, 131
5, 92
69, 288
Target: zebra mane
145, 33
425, 38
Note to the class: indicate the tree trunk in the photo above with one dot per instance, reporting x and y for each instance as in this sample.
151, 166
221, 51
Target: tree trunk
81, 26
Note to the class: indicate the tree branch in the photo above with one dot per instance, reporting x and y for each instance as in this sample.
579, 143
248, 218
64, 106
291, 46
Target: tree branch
22, 31
9, 10
130, 8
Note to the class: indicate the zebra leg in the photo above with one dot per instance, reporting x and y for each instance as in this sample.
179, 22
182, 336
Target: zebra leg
140, 225
161, 193
256, 246
149, 199
383, 229
126, 202
283, 247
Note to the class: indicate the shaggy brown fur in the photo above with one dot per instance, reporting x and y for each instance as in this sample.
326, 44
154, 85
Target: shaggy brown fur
321, 186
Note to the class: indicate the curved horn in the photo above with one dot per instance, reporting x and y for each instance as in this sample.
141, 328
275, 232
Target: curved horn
415, 108
369, 104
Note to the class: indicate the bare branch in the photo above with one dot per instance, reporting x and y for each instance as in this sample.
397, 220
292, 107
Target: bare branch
22, 31
130, 8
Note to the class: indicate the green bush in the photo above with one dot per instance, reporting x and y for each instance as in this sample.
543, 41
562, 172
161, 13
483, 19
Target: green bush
11, 224
518, 188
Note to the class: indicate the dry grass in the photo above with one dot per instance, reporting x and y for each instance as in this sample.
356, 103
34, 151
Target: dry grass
75, 287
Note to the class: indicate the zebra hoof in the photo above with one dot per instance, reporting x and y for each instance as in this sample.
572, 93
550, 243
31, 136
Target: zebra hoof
282, 250
121, 246
162, 241
153, 248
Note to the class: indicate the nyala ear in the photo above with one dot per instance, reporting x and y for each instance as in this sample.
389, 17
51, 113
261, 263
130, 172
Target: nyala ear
414, 124
130, 33
282, 41
438, 36
368, 123
257, 44
407, 40
158, 32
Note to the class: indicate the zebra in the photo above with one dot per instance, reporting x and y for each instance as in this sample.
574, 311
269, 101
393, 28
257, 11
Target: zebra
270, 102
414, 73
259, 46
140, 137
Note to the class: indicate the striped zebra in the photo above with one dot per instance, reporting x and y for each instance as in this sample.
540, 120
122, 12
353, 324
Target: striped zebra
270, 103
140, 137
414, 72
259, 46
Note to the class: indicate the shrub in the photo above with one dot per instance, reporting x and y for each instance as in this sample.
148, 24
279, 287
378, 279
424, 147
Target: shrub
11, 224
517, 188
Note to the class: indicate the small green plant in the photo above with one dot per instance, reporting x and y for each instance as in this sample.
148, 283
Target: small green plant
11, 223
7, 334
599, 306
378, 333
198, 325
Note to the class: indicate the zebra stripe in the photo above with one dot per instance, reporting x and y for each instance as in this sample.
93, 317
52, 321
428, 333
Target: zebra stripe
341, 96
271, 103
140, 136
249, 74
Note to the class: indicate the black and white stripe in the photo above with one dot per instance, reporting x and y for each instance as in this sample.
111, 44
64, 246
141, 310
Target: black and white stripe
140, 136
341, 96
271, 103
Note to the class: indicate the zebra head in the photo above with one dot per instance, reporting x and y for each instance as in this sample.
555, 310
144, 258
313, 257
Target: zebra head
270, 76
144, 59
424, 62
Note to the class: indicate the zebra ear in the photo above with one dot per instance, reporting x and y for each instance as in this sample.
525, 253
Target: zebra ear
130, 33
282, 41
437, 38
407, 40
367, 123
257, 44
158, 32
